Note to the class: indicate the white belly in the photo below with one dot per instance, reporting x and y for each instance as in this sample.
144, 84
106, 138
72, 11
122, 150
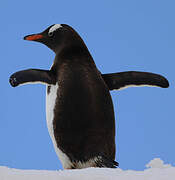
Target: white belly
50, 104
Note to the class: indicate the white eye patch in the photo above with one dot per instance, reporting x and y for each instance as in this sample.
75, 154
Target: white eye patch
54, 28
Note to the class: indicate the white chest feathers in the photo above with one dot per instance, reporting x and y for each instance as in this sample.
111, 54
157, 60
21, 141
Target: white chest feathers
50, 105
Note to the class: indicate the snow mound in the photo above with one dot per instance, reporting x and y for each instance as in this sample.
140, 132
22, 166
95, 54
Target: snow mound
157, 170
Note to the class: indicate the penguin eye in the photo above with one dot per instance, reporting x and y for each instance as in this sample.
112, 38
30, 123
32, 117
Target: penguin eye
50, 34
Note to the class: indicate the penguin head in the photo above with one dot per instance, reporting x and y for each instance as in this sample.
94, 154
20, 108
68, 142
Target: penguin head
57, 37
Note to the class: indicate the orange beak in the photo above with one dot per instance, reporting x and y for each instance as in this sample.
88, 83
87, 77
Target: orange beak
33, 37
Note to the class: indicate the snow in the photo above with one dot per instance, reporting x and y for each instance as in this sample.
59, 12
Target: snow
157, 163
156, 170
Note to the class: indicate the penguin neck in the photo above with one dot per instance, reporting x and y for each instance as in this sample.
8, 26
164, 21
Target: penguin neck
77, 53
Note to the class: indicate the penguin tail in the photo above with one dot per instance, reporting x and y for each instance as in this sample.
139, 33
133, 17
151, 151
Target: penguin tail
104, 162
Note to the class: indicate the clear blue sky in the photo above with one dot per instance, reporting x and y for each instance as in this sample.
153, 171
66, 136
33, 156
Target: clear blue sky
121, 35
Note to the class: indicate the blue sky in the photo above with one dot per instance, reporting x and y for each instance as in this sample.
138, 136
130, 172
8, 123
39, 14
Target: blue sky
121, 36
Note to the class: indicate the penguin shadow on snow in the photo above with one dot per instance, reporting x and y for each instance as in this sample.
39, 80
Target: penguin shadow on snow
79, 108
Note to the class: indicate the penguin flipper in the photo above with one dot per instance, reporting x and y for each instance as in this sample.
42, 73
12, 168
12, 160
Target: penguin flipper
121, 80
31, 76
104, 162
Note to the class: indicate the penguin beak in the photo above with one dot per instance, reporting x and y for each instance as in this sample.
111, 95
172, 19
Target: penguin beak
33, 37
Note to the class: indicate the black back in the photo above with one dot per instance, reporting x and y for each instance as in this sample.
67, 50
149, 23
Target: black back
84, 124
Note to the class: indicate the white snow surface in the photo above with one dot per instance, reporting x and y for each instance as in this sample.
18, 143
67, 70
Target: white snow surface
156, 170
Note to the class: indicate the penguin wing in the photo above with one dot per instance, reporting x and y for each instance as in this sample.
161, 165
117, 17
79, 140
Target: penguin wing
31, 76
126, 79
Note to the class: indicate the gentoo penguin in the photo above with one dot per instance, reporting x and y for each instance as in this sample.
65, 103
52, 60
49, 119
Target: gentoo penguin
79, 108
